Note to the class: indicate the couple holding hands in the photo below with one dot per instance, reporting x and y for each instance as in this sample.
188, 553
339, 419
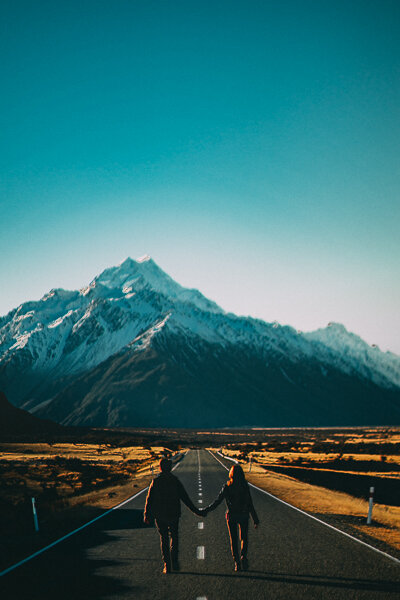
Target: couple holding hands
163, 506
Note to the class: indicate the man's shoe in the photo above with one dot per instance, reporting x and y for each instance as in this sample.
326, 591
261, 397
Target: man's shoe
245, 564
166, 569
237, 566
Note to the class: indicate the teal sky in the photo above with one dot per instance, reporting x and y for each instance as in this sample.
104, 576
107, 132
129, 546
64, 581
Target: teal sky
250, 147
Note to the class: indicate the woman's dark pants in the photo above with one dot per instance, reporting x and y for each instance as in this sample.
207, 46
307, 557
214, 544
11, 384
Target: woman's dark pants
169, 548
241, 522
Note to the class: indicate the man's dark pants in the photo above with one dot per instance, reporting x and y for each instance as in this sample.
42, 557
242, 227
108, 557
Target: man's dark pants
169, 549
243, 523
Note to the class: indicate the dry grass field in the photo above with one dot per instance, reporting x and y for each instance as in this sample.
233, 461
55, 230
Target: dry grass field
328, 473
57, 473
71, 483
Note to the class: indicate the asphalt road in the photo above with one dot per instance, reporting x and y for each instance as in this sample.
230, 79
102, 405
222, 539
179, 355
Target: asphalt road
291, 556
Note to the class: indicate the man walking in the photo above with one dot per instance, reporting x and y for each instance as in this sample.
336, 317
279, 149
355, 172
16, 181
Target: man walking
163, 503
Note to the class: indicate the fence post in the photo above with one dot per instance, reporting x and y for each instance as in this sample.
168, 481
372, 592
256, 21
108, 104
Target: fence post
371, 504
35, 517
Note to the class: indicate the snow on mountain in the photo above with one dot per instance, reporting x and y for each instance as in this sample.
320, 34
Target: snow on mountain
128, 306
67, 332
352, 353
133, 275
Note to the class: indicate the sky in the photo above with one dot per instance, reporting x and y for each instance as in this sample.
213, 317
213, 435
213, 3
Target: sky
250, 147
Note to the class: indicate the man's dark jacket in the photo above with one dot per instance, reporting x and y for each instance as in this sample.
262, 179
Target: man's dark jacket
164, 497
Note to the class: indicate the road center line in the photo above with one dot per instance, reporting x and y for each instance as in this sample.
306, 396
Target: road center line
200, 525
200, 552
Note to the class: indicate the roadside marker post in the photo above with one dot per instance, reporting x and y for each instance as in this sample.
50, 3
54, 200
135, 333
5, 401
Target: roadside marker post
371, 504
35, 517
250, 464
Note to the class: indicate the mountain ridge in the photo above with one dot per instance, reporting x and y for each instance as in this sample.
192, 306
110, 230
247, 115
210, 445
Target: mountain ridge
135, 307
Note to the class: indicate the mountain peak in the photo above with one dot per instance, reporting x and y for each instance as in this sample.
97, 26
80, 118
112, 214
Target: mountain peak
144, 258
134, 275
116, 277
129, 262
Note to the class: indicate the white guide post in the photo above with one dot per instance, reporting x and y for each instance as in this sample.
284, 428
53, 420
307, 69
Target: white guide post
371, 504
35, 517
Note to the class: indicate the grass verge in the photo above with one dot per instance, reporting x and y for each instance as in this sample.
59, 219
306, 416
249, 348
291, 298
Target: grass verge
337, 508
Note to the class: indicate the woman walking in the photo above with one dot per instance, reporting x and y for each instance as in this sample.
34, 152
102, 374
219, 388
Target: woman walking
239, 504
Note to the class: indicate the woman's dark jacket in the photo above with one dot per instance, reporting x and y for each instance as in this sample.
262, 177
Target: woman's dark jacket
238, 501
164, 497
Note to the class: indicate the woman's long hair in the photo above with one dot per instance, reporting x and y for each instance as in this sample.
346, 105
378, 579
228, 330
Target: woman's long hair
236, 477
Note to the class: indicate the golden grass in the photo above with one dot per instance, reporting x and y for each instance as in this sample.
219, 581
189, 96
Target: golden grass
316, 459
88, 452
72, 474
346, 511
322, 501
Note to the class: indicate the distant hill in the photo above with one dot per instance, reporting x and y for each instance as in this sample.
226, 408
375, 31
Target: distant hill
15, 421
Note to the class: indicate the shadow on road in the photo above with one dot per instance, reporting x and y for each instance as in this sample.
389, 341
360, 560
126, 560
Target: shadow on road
310, 580
68, 571
126, 518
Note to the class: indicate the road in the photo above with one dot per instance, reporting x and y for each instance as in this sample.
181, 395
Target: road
291, 556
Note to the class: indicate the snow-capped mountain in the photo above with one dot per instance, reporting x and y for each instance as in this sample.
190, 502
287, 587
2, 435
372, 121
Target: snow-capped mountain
136, 348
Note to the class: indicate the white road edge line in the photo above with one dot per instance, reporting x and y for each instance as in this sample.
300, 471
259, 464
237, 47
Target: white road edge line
68, 535
61, 539
303, 512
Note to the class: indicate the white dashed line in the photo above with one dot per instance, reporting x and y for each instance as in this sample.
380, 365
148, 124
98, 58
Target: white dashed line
200, 525
200, 552
200, 501
201, 598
